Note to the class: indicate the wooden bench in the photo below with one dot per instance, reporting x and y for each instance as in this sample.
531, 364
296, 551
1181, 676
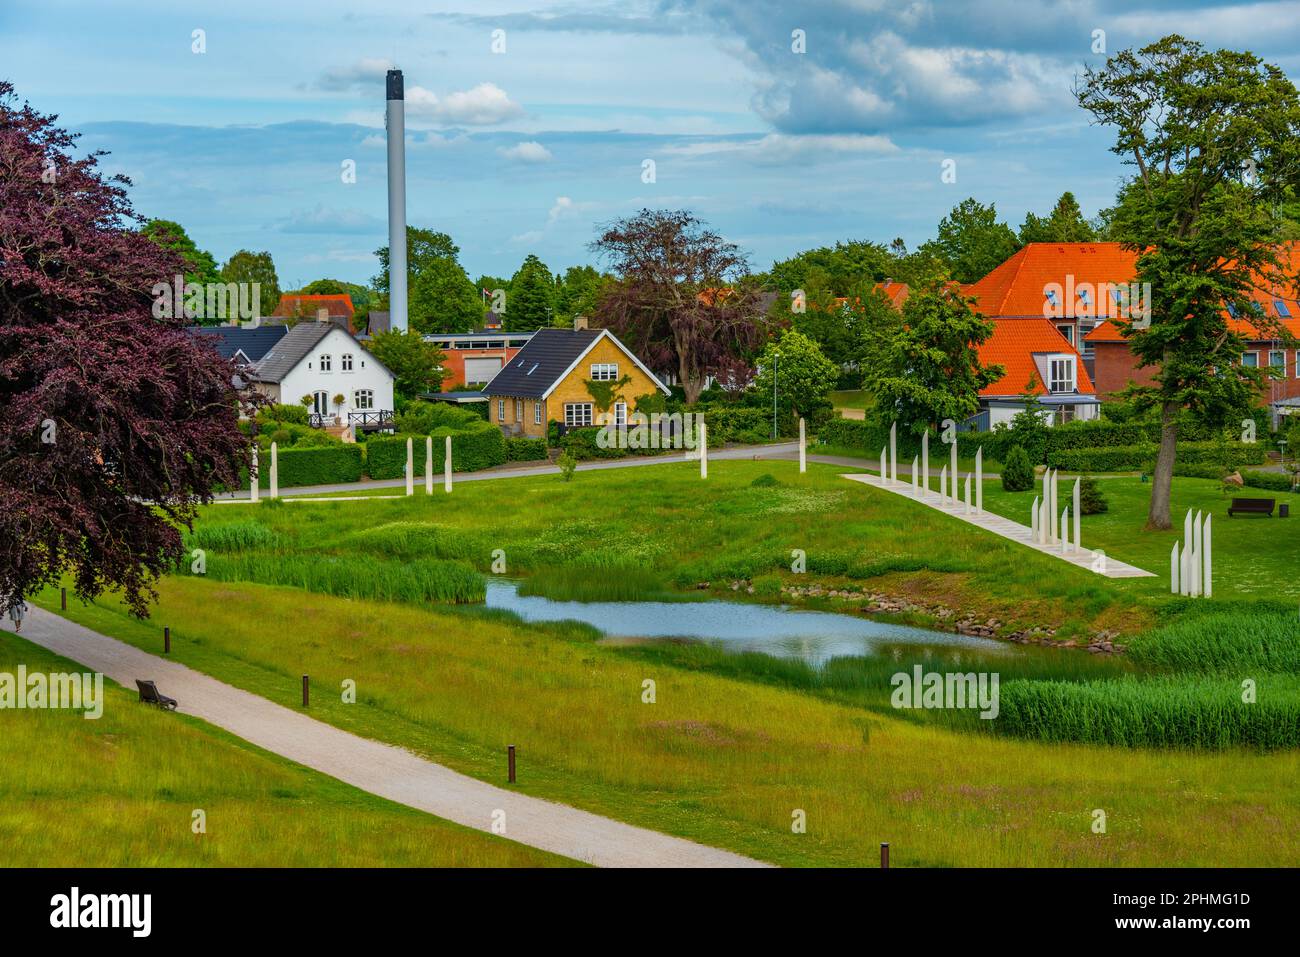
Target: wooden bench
1251, 506
150, 694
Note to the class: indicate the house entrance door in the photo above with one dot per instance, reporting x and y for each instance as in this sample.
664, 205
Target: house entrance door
321, 403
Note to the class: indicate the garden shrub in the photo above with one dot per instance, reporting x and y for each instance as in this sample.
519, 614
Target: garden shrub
766, 480
525, 450
1017, 473
333, 464
1091, 499
1272, 481
422, 418
283, 413
567, 464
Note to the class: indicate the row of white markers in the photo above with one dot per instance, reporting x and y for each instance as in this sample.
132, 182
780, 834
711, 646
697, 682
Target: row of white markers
255, 492
1049, 527
921, 473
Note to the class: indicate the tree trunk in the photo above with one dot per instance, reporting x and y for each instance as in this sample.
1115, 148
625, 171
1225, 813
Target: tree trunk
1162, 480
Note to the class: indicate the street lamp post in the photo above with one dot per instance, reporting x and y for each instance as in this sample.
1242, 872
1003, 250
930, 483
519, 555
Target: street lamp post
776, 357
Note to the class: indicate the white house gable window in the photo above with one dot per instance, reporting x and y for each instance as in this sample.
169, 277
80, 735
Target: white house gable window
345, 363
363, 399
325, 362
1061, 374
577, 414
604, 371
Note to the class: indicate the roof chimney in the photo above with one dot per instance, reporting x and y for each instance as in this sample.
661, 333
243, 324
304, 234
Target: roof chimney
395, 121
579, 322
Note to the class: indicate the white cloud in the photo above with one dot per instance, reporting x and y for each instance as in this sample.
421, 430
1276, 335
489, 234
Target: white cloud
367, 70
484, 105
320, 219
782, 148
529, 151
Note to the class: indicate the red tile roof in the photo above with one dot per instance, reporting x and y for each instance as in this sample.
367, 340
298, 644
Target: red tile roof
293, 304
1017, 287
1014, 344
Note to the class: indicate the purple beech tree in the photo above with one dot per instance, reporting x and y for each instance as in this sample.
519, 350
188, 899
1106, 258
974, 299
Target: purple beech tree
114, 425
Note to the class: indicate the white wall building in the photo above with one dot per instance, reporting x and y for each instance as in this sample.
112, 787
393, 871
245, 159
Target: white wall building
323, 360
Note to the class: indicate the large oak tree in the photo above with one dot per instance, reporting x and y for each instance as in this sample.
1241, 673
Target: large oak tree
114, 425
1214, 139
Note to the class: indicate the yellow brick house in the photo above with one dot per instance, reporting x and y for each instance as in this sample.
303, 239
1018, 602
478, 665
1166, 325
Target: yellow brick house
572, 376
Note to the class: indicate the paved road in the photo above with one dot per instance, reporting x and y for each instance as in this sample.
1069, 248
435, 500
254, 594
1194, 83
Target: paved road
381, 769
790, 450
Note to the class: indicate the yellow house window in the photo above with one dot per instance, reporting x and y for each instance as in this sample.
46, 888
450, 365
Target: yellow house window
604, 371
501, 410
577, 414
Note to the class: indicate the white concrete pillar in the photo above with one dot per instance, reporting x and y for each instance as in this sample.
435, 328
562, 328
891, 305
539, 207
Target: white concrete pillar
1207, 581
428, 464
275, 470
803, 447
884, 468
704, 450
916, 488
254, 493
893, 453
1199, 553
968, 501
1175, 567
1056, 528
953, 469
1045, 520
1065, 523
925, 463
979, 481
446, 466
943, 487
1078, 536
1033, 521
410, 467
1186, 570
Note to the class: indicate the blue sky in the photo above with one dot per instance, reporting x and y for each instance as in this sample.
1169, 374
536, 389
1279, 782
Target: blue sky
528, 150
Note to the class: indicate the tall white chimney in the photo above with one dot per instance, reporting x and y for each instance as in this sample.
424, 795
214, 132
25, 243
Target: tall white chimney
395, 121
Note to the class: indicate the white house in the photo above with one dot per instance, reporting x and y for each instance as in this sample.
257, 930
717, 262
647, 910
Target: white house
323, 360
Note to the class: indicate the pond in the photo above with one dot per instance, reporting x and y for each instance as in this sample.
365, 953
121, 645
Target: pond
811, 636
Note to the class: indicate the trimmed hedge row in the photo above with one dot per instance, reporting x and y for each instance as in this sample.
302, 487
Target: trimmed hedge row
738, 423
1128, 458
326, 465
524, 450
473, 448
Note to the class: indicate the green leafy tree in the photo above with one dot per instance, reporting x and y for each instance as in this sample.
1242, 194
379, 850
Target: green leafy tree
250, 267
802, 375
1214, 139
200, 266
1064, 224
839, 325
1017, 472
440, 296
972, 241
530, 303
923, 366
578, 292
417, 365
840, 268
360, 295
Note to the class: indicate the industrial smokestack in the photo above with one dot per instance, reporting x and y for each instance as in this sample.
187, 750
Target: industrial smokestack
395, 121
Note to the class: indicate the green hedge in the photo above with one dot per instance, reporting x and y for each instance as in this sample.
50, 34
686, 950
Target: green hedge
1273, 481
525, 450
327, 465
1133, 457
473, 448
744, 424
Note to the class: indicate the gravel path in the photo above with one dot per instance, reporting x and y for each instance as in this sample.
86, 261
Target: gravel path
381, 769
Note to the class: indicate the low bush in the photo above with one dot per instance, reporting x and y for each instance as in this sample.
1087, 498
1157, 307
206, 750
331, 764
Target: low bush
283, 413
1091, 499
1128, 458
1017, 473
1272, 481
525, 450
332, 464
766, 480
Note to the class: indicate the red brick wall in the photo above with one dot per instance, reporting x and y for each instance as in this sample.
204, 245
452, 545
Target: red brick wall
1114, 365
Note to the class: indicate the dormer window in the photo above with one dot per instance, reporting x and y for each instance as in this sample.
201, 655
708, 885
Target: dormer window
1060, 374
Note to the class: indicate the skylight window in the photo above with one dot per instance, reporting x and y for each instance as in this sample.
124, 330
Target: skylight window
532, 370
1051, 296
1282, 309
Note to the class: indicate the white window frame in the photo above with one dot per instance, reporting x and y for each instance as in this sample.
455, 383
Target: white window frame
537, 412
577, 415
1053, 379
501, 410
363, 400
1297, 363
1280, 353
519, 410
1254, 354
324, 362
620, 415
1066, 329
345, 362
604, 372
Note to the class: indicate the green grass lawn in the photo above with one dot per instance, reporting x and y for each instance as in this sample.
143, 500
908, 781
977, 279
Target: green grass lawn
718, 759
121, 790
